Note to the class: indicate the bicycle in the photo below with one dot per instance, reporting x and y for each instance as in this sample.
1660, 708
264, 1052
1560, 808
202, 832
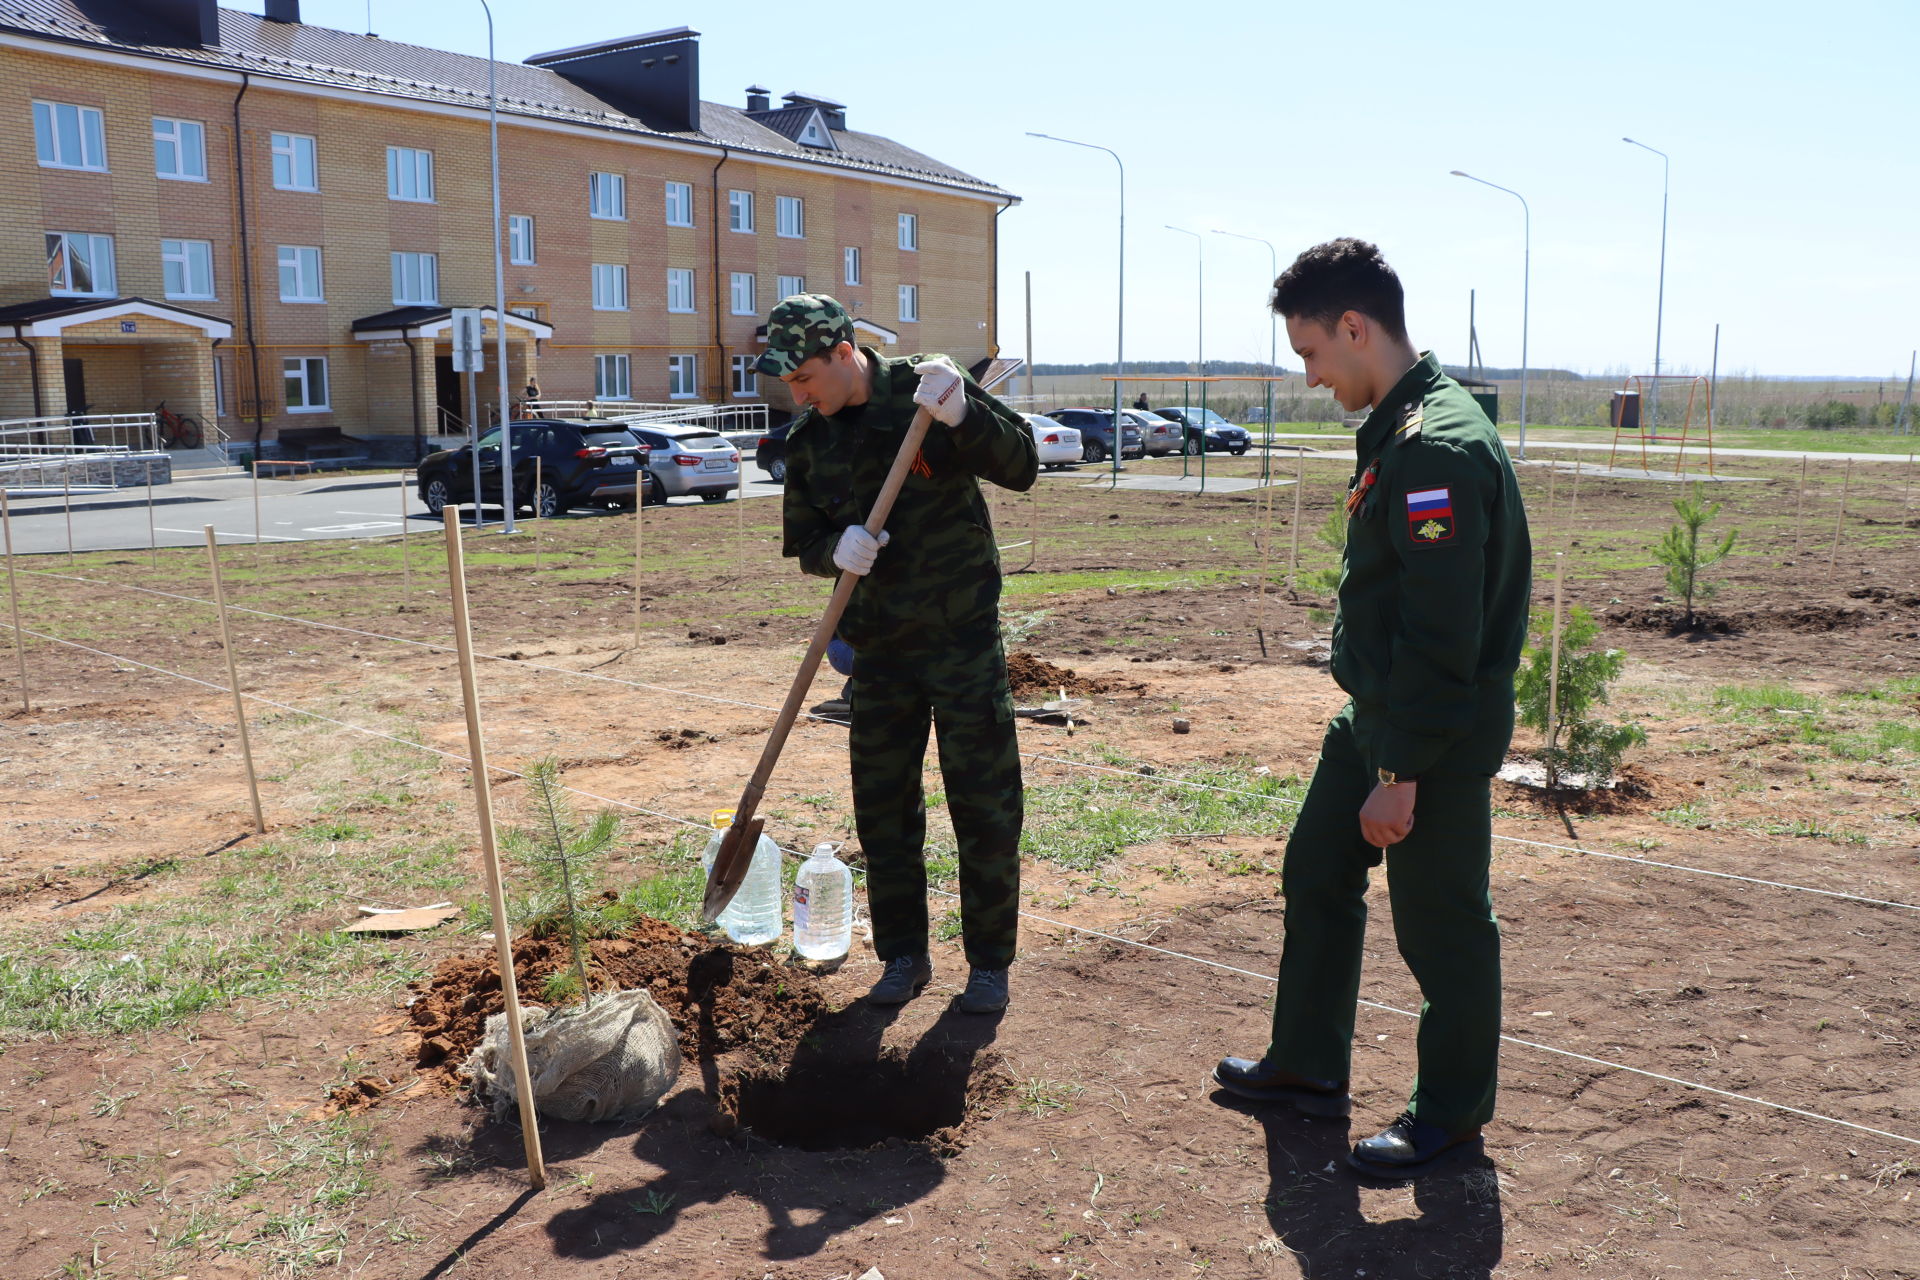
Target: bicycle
177, 430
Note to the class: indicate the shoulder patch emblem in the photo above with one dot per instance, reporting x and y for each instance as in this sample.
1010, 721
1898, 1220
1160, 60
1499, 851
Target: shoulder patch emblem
1411, 423
1430, 515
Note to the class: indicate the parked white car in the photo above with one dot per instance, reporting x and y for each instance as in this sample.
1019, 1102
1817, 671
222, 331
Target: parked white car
688, 460
1059, 446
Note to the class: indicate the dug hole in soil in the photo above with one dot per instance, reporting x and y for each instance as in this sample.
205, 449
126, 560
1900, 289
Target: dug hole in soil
759, 1032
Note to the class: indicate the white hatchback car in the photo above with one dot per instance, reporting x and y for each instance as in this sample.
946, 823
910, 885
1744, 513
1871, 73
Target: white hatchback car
1059, 446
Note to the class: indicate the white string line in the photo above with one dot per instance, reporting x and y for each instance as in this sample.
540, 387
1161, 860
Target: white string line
1031, 755
1516, 1040
1531, 1044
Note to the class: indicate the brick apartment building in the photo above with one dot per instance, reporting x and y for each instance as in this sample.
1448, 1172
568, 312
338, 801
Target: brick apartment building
265, 223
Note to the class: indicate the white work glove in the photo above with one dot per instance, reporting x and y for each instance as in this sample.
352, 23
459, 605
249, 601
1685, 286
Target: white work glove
857, 550
942, 392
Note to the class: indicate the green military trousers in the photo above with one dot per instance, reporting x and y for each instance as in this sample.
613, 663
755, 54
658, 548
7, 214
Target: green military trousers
966, 698
1443, 920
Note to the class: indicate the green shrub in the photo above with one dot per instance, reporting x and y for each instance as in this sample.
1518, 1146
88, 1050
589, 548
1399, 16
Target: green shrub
1680, 550
1581, 742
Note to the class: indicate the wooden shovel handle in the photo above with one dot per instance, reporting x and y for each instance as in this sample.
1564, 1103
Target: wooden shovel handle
739, 850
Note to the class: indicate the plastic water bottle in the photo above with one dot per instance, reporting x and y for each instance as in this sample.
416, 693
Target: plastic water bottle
823, 906
753, 917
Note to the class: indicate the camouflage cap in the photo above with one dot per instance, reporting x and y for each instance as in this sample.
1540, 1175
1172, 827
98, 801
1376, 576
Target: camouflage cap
802, 326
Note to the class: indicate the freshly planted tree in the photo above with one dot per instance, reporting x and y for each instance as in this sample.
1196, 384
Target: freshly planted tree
1332, 534
1681, 552
566, 858
1577, 740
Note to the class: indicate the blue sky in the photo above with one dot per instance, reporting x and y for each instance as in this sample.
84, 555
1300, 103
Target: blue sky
1792, 132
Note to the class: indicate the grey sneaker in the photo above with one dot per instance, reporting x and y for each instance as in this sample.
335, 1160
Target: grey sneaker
903, 979
986, 991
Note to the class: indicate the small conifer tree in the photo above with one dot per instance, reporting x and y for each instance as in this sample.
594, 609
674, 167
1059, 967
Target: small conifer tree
566, 858
1578, 741
1680, 551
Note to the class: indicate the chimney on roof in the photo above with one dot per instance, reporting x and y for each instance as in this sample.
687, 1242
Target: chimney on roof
655, 78
283, 11
759, 98
187, 24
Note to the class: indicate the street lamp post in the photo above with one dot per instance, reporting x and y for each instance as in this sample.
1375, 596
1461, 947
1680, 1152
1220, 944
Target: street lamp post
1660, 299
1526, 290
1120, 341
499, 300
1273, 330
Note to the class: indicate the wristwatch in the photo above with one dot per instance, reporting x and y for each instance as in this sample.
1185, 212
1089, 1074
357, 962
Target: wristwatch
1388, 778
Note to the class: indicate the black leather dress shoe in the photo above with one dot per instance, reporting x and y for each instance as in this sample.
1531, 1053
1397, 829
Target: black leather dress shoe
1407, 1148
1261, 1081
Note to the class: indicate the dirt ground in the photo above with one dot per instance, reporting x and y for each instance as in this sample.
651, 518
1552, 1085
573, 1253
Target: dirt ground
314, 1126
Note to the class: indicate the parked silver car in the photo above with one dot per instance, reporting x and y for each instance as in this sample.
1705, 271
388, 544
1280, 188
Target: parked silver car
689, 460
1059, 445
1161, 435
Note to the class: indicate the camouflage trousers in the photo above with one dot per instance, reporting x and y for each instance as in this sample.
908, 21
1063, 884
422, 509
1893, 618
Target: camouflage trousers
965, 698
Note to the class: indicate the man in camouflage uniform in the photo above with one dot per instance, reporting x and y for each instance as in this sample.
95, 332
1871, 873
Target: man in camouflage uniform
924, 623
1435, 583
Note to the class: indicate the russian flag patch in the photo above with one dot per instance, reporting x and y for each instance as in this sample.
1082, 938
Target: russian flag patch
1430, 515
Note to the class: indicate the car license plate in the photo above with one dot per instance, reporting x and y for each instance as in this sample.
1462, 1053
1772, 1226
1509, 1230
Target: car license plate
717, 464
623, 462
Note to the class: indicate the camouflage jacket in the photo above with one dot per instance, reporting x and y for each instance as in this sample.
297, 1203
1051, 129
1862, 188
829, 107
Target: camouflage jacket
1435, 583
937, 582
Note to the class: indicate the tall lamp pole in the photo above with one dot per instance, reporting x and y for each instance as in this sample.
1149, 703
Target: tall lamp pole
499, 296
1660, 302
1273, 324
1526, 290
1120, 342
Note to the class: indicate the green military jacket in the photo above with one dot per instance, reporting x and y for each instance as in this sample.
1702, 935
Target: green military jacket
938, 580
1436, 581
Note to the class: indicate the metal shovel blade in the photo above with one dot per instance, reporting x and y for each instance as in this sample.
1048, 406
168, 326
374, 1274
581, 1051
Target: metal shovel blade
729, 867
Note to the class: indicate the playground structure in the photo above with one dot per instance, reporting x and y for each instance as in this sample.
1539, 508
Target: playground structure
1627, 420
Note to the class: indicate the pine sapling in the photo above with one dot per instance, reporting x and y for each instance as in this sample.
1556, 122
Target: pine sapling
1578, 741
1681, 552
566, 857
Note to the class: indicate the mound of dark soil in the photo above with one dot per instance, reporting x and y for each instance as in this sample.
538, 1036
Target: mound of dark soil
720, 997
1634, 790
1804, 619
1031, 676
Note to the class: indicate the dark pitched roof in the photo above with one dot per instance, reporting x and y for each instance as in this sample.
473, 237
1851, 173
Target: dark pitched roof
790, 122
50, 308
414, 316
367, 64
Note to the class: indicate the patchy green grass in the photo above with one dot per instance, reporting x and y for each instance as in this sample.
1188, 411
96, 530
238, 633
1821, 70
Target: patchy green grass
1763, 697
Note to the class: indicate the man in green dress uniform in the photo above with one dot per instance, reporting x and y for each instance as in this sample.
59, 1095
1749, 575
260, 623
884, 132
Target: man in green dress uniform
924, 624
1434, 592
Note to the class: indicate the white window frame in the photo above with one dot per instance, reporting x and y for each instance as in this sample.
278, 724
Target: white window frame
746, 378
98, 251
910, 232
680, 290
410, 175
287, 147
683, 370
416, 279
294, 256
181, 255
851, 269
609, 286
520, 243
743, 289
679, 200
612, 377
89, 134
299, 371
909, 303
798, 285
790, 217
607, 196
740, 212
184, 136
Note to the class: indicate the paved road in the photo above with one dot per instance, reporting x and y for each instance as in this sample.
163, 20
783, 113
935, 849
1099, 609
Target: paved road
290, 511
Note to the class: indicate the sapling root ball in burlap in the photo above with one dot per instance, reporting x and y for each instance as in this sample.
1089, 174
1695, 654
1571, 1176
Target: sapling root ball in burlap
611, 1060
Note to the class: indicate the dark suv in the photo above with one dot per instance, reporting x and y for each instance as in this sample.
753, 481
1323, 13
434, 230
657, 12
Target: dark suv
1205, 425
581, 464
1096, 433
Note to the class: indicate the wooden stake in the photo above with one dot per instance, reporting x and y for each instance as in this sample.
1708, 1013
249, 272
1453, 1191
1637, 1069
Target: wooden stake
1263, 526
13, 600
406, 568
233, 681
1546, 534
1799, 504
256, 507
153, 538
490, 859
66, 488
1553, 672
639, 541
1906, 498
1299, 487
539, 479
1840, 520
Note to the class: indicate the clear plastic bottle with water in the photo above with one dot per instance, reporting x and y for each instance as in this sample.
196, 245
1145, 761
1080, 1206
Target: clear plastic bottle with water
823, 906
753, 917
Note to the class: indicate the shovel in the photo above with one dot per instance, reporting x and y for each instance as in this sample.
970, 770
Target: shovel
736, 847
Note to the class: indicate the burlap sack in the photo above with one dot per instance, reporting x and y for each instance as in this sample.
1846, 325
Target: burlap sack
612, 1060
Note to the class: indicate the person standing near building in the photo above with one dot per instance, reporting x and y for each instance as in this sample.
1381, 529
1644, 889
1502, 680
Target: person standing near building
924, 624
1435, 586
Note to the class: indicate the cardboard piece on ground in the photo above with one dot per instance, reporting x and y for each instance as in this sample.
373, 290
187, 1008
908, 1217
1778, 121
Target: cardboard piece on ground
403, 921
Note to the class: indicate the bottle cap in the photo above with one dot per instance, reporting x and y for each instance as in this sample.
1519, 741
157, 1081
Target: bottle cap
823, 849
722, 819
